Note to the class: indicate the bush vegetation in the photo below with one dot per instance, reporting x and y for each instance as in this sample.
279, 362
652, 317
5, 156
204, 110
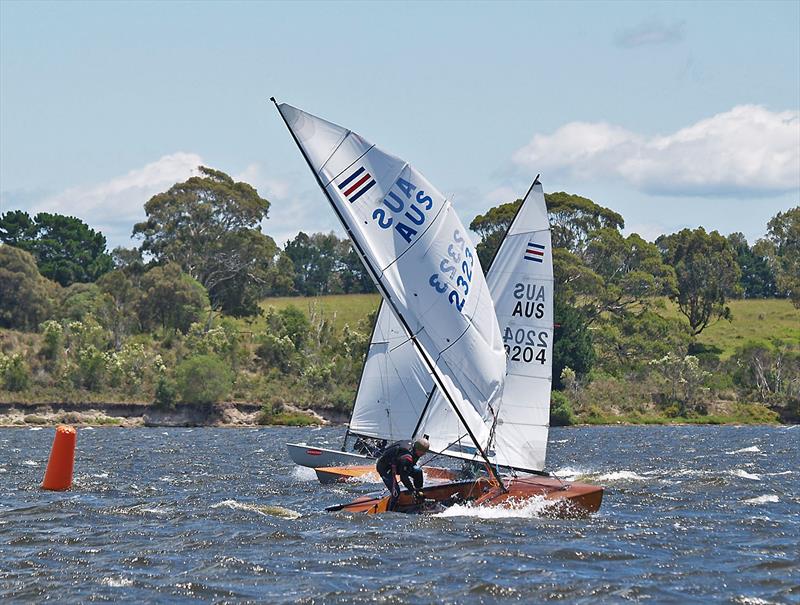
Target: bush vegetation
206, 309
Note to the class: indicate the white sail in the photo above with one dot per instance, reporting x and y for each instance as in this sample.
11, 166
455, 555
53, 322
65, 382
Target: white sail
394, 385
521, 282
419, 253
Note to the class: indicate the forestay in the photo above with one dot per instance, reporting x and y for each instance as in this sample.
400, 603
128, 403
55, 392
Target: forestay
521, 282
394, 385
419, 253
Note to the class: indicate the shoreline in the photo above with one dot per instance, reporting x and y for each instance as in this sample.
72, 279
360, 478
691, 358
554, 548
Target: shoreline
238, 415
130, 415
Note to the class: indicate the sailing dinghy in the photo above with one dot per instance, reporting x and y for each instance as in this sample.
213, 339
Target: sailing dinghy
420, 257
384, 402
392, 391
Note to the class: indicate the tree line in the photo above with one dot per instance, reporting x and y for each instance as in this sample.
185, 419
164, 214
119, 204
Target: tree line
135, 319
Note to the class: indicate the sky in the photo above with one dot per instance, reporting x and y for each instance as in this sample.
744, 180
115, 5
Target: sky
673, 114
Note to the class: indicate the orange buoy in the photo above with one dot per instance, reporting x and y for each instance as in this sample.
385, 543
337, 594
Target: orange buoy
62, 458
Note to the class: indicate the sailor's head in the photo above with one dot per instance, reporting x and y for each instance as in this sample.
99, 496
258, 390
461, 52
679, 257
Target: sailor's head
421, 446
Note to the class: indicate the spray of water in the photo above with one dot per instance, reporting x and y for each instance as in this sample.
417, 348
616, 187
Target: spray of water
530, 508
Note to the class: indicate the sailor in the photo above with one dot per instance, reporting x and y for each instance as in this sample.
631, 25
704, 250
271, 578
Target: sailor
401, 458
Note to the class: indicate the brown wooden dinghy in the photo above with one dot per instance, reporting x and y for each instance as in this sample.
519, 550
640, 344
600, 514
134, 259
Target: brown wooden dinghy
568, 499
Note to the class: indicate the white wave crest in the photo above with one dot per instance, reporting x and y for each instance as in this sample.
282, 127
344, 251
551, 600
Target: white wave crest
30, 463
569, 473
116, 582
264, 510
765, 499
371, 477
35, 428
754, 449
529, 508
745, 475
304, 473
621, 476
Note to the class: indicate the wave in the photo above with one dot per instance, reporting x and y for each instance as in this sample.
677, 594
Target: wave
570, 474
35, 428
530, 508
116, 582
30, 463
765, 499
304, 473
621, 476
265, 510
745, 475
754, 449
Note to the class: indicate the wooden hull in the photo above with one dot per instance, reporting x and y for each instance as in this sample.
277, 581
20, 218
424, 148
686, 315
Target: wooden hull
339, 474
568, 499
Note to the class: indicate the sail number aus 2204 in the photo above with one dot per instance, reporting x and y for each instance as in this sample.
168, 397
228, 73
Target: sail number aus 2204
521, 344
457, 267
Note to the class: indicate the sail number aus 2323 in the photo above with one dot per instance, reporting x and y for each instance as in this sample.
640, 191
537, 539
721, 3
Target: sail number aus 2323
459, 261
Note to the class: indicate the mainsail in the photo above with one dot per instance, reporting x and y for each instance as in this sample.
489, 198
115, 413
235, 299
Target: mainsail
420, 256
521, 282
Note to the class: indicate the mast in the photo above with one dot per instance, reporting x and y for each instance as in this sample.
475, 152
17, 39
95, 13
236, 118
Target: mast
387, 297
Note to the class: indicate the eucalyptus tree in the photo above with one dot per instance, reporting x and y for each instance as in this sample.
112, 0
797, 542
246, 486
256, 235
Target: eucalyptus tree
210, 226
707, 275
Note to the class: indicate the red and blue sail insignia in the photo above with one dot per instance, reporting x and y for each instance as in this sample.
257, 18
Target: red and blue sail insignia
534, 252
357, 184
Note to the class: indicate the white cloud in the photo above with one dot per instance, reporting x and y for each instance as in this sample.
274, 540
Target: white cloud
650, 33
502, 195
269, 187
115, 205
743, 152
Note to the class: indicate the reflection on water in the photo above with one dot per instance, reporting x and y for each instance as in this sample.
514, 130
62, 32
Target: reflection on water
690, 514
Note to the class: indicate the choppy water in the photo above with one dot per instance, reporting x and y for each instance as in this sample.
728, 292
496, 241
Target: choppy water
691, 514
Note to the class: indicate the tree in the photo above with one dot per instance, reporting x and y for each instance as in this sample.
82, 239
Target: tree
631, 270
120, 301
66, 249
209, 225
129, 260
325, 264
171, 299
782, 248
78, 301
707, 272
758, 279
572, 342
26, 298
573, 220
204, 380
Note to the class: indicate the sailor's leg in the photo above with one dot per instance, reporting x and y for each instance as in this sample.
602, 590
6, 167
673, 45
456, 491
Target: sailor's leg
390, 481
416, 475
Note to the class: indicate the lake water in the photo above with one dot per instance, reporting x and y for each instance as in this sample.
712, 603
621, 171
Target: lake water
691, 514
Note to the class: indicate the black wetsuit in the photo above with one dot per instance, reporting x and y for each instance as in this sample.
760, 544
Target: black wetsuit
399, 459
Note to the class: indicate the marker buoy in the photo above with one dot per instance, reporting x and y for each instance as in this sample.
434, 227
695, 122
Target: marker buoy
58, 476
